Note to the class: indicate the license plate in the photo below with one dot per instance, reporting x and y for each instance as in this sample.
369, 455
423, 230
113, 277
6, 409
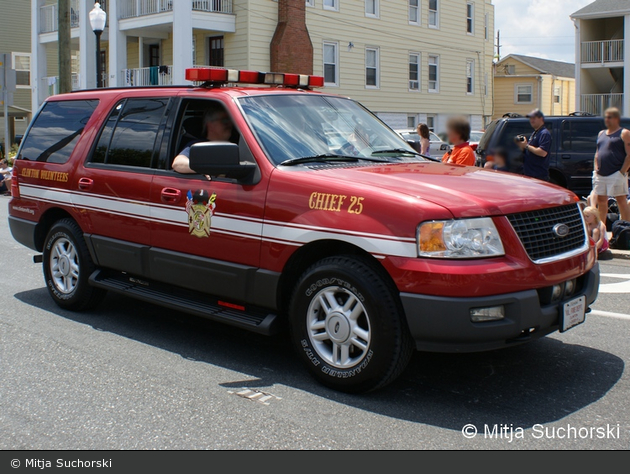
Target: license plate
573, 314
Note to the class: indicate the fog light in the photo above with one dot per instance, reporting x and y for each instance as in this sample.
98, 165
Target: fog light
484, 315
569, 288
556, 294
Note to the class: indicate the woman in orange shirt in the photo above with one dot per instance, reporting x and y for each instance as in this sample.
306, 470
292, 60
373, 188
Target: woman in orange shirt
458, 131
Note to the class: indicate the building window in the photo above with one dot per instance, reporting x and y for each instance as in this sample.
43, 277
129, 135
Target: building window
310, 3
371, 67
523, 94
431, 122
434, 73
470, 18
414, 12
216, 51
414, 71
331, 5
434, 13
557, 94
470, 77
371, 8
22, 65
194, 50
331, 64
412, 122
486, 27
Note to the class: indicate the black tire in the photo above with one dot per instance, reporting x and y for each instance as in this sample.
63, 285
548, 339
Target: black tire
374, 358
66, 274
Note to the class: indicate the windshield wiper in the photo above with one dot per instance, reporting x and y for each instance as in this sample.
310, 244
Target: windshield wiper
319, 158
400, 151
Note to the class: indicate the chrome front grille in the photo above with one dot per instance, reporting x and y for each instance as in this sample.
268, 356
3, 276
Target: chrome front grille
536, 231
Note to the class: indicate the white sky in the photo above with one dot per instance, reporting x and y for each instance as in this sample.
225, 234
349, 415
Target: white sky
540, 28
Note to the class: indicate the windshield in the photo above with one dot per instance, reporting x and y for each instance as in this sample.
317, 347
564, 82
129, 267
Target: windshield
292, 126
483, 143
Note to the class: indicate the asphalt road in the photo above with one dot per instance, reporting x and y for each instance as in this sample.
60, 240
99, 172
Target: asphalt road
135, 376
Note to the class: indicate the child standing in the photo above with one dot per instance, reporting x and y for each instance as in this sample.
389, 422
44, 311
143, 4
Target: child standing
596, 230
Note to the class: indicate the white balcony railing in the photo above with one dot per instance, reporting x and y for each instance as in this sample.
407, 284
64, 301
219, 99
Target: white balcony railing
135, 8
213, 6
148, 76
601, 52
48, 17
52, 83
597, 104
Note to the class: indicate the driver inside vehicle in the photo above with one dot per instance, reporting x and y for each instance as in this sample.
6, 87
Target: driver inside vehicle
217, 127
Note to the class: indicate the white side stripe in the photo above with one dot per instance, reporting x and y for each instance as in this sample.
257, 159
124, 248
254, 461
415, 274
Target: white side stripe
291, 234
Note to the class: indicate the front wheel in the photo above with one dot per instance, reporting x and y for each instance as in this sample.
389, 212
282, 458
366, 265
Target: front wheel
348, 326
68, 266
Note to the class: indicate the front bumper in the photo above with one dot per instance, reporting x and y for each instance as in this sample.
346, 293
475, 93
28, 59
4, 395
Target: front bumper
442, 324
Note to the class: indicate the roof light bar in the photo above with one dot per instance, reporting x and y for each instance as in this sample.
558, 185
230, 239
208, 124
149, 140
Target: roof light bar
225, 76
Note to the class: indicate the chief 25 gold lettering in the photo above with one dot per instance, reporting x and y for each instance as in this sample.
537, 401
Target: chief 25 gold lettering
335, 203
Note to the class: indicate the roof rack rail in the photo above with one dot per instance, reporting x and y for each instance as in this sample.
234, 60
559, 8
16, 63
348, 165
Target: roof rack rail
512, 115
118, 88
581, 114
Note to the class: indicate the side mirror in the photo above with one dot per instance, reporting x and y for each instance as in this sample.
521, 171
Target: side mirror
219, 160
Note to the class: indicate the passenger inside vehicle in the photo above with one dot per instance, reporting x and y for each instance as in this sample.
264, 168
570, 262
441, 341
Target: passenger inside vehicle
217, 127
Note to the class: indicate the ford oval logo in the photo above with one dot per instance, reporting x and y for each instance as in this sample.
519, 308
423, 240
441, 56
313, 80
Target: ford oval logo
562, 230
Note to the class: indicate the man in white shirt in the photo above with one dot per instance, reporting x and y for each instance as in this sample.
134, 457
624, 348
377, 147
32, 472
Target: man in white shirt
5, 177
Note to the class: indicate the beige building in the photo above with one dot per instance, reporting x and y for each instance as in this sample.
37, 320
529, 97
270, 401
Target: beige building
15, 39
522, 83
407, 60
602, 36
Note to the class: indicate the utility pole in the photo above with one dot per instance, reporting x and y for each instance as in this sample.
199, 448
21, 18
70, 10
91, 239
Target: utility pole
499, 45
65, 64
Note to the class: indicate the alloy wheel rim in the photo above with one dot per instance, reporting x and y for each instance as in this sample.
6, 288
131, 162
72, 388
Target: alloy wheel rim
339, 327
64, 266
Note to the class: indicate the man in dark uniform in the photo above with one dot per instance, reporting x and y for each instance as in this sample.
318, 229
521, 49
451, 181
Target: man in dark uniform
537, 149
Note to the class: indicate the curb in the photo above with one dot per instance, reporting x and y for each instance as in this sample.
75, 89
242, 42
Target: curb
620, 254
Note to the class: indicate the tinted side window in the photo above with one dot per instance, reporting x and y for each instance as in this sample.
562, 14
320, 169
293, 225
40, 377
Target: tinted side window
56, 130
580, 135
129, 135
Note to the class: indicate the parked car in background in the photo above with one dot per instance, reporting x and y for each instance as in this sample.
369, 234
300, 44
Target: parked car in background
475, 138
438, 147
573, 147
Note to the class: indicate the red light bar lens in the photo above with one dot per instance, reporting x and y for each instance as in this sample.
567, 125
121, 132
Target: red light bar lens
207, 75
316, 81
291, 80
251, 77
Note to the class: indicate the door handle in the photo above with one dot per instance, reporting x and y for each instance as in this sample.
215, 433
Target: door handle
85, 184
566, 157
171, 195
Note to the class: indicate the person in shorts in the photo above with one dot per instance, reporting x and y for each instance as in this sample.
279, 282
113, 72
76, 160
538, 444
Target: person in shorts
612, 162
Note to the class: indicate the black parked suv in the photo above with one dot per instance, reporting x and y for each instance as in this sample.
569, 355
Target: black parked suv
573, 147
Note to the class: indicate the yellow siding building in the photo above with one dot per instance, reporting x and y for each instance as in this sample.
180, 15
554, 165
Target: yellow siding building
523, 83
408, 60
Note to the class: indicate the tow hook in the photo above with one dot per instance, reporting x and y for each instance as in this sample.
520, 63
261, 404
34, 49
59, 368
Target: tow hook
38, 258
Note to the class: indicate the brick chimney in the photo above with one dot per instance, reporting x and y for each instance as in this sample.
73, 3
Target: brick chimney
291, 47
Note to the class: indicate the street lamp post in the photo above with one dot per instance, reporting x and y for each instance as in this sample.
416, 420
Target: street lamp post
97, 20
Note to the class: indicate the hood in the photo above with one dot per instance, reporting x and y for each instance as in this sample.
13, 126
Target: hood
464, 191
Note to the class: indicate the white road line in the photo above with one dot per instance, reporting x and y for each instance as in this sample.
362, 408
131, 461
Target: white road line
607, 314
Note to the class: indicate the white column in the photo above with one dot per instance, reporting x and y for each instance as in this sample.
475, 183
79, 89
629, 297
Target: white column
87, 47
182, 40
117, 47
626, 65
39, 62
578, 66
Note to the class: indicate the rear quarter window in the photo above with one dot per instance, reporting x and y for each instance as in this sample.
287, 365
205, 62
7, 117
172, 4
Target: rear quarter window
56, 131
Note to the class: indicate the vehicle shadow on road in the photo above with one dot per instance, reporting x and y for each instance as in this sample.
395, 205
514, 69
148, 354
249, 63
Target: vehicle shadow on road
540, 382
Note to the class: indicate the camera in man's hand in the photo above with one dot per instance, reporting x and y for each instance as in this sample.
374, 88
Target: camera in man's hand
520, 138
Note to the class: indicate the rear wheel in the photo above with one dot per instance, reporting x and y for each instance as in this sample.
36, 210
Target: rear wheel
68, 266
348, 327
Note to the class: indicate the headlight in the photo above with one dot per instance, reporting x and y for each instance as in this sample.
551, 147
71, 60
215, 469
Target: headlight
467, 238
